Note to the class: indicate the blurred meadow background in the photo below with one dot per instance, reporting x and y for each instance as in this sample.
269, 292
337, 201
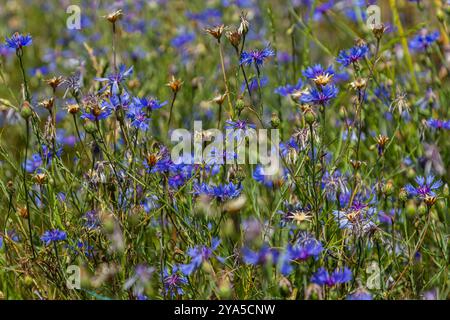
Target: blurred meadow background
357, 210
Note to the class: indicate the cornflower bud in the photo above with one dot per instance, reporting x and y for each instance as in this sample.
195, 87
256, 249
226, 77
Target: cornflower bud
175, 84
26, 110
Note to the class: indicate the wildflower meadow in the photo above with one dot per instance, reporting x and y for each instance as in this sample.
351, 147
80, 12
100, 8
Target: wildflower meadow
224, 150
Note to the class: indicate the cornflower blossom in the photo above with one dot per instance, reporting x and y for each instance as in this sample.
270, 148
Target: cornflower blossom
114, 80
17, 41
439, 124
305, 248
97, 113
425, 187
353, 55
92, 220
289, 148
289, 88
148, 103
260, 257
174, 281
53, 236
334, 183
358, 218
360, 294
199, 255
221, 192
138, 118
320, 96
318, 74
423, 40
295, 213
338, 276
269, 180
256, 57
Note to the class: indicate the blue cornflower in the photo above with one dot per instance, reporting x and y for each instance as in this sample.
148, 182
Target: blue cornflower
260, 257
114, 79
425, 187
360, 295
320, 96
318, 74
31, 165
239, 124
304, 249
253, 83
289, 88
423, 40
357, 218
269, 179
17, 41
221, 192
182, 39
199, 255
92, 221
289, 147
138, 118
97, 113
256, 57
334, 183
322, 277
174, 281
352, 55
53, 236
439, 124
149, 103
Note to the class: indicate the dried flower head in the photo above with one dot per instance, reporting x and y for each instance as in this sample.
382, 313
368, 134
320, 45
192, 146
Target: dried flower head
47, 104
114, 16
73, 108
23, 212
175, 84
216, 31
245, 25
358, 84
235, 38
55, 82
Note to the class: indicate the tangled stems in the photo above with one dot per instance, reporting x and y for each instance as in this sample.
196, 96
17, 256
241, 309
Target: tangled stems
26, 187
231, 111
174, 97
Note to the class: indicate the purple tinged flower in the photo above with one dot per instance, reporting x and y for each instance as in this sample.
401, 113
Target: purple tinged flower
92, 220
53, 236
289, 88
352, 55
96, 113
239, 125
199, 255
289, 147
256, 57
320, 96
360, 295
148, 103
319, 74
17, 41
138, 118
113, 80
174, 282
423, 40
260, 257
221, 192
425, 187
338, 276
439, 124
